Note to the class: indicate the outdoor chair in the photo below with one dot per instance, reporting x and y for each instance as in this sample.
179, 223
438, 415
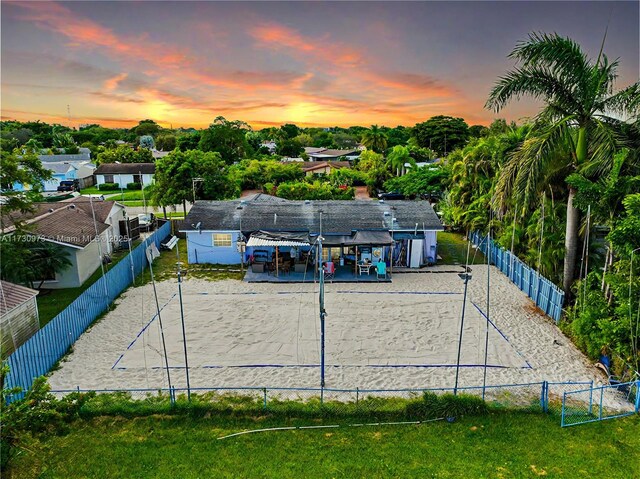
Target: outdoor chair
381, 270
329, 270
605, 365
364, 268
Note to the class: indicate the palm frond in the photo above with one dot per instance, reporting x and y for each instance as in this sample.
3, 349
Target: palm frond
625, 102
537, 82
562, 55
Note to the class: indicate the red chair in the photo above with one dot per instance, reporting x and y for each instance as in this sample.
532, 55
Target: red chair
329, 270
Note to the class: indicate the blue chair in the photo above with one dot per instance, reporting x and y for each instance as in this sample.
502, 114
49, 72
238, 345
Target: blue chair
381, 270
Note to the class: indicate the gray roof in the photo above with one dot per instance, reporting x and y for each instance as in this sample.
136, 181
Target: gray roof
125, 169
338, 217
84, 155
60, 167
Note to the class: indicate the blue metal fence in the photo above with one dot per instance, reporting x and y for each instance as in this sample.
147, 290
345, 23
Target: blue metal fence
547, 296
600, 403
41, 352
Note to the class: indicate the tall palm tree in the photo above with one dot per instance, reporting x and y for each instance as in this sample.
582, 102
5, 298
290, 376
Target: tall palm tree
398, 157
574, 124
375, 139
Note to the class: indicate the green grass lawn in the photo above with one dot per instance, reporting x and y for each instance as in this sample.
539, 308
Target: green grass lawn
165, 267
452, 247
118, 195
501, 445
52, 302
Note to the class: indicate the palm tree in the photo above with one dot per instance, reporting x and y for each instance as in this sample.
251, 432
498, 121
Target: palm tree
399, 157
375, 139
46, 259
572, 132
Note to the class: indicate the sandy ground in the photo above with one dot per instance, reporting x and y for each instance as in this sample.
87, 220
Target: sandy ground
267, 335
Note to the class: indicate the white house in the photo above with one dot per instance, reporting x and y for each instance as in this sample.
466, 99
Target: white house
124, 173
87, 229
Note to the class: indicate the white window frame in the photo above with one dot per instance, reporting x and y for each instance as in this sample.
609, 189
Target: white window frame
225, 242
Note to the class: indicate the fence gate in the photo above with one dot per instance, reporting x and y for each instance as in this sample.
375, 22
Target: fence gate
600, 403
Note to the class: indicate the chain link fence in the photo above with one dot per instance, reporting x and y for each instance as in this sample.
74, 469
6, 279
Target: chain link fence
574, 402
600, 403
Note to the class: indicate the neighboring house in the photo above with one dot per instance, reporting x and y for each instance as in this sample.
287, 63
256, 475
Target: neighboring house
159, 154
324, 154
83, 155
18, 316
124, 173
270, 145
87, 229
324, 167
352, 230
63, 171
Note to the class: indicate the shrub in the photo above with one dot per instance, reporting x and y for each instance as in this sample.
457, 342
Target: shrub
432, 406
134, 186
109, 187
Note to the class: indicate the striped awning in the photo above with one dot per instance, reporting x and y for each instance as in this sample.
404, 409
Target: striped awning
267, 238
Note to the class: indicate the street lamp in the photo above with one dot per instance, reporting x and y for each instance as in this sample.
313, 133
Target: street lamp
466, 276
193, 186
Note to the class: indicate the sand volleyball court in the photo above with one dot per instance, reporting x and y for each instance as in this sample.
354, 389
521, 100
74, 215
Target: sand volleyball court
402, 334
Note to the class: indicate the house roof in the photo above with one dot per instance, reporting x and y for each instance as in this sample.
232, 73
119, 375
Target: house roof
102, 209
60, 167
67, 223
323, 164
312, 149
338, 217
13, 295
325, 153
83, 155
125, 169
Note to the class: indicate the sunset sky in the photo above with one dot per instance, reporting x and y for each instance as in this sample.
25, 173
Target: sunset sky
268, 63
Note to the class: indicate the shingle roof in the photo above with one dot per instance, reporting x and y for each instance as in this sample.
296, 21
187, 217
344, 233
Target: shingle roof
65, 223
70, 225
102, 209
332, 153
339, 217
13, 295
323, 164
125, 169
60, 167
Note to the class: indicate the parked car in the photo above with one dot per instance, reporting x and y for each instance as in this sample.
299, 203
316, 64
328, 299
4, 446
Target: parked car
68, 185
393, 195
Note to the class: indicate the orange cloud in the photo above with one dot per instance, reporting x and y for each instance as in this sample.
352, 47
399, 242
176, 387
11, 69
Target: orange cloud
279, 36
112, 83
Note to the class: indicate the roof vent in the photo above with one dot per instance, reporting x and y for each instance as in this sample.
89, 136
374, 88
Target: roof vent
307, 202
395, 220
239, 207
381, 201
243, 202
72, 207
386, 213
50, 210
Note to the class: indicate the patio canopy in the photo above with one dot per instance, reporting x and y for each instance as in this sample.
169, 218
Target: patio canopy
377, 238
267, 238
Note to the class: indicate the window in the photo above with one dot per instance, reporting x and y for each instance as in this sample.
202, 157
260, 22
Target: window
108, 178
222, 239
326, 254
137, 178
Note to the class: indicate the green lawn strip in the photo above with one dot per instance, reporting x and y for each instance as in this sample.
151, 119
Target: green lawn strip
504, 444
52, 302
165, 268
117, 195
452, 248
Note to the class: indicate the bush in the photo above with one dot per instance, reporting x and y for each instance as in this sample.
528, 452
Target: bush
134, 186
433, 406
109, 187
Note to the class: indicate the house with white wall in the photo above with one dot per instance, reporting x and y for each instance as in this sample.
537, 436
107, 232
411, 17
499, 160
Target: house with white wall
85, 228
125, 173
